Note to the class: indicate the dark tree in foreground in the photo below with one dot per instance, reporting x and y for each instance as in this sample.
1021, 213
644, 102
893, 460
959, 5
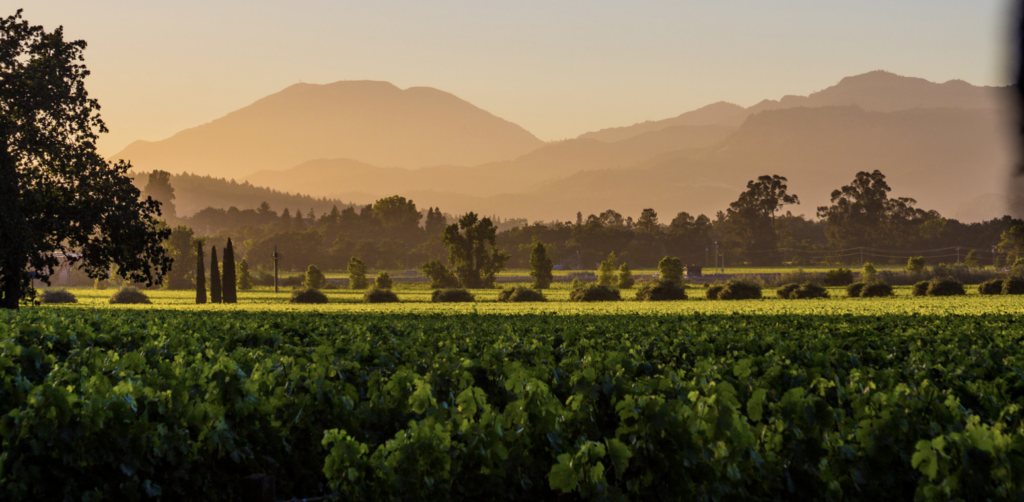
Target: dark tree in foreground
215, 291
200, 274
475, 265
229, 285
57, 194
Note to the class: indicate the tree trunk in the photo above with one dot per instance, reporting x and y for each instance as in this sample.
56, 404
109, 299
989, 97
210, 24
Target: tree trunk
13, 252
11, 291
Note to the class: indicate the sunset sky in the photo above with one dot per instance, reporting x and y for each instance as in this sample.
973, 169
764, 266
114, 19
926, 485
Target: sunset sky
557, 68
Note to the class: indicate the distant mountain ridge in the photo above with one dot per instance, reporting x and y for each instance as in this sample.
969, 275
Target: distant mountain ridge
946, 145
374, 122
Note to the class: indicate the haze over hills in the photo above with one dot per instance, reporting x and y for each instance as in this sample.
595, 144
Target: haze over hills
945, 145
374, 122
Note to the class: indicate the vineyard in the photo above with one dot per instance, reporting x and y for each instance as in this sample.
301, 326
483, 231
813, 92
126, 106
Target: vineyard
750, 403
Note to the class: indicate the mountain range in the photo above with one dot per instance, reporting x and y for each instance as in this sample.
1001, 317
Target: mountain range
946, 145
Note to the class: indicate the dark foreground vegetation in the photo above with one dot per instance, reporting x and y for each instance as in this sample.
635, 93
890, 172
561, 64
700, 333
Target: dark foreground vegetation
147, 405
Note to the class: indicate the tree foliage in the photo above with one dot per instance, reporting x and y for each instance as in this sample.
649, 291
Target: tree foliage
670, 268
314, 278
200, 274
468, 241
357, 274
159, 189
244, 277
229, 283
606, 272
540, 267
57, 194
181, 247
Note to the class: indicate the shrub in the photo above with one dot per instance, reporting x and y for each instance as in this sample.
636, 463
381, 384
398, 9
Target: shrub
129, 295
915, 265
575, 284
374, 295
713, 290
787, 290
308, 296
626, 280
839, 277
440, 276
972, 259
920, 288
595, 293
451, 296
100, 284
992, 287
521, 294
945, 286
383, 281
809, 290
57, 296
661, 290
314, 278
854, 290
876, 290
1013, 286
740, 289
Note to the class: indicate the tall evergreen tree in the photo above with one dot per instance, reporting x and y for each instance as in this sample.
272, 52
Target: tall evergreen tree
244, 278
229, 284
200, 274
215, 291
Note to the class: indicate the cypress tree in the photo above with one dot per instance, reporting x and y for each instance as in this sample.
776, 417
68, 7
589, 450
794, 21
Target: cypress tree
230, 294
200, 274
214, 277
540, 267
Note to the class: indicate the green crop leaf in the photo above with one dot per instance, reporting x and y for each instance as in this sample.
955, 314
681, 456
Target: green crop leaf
755, 405
620, 455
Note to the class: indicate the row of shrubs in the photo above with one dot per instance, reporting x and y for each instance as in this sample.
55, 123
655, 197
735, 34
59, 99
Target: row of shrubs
126, 295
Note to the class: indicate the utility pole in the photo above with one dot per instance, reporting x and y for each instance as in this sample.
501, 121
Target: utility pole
716, 255
276, 256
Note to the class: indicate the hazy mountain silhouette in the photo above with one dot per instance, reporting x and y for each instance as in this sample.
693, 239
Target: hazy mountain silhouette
553, 161
374, 122
878, 91
946, 145
720, 113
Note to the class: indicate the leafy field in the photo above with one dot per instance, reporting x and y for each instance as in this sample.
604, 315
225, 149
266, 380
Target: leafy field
177, 403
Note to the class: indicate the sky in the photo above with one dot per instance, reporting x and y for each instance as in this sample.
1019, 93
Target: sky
558, 68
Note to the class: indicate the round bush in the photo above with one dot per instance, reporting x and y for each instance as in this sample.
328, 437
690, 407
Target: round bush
992, 287
657, 291
854, 290
57, 296
839, 277
712, 292
308, 296
521, 294
451, 295
383, 281
129, 295
739, 289
920, 288
945, 286
374, 295
876, 290
785, 291
595, 293
809, 290
1013, 286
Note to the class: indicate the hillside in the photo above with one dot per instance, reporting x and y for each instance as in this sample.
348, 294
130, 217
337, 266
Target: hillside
194, 193
551, 162
943, 158
374, 122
